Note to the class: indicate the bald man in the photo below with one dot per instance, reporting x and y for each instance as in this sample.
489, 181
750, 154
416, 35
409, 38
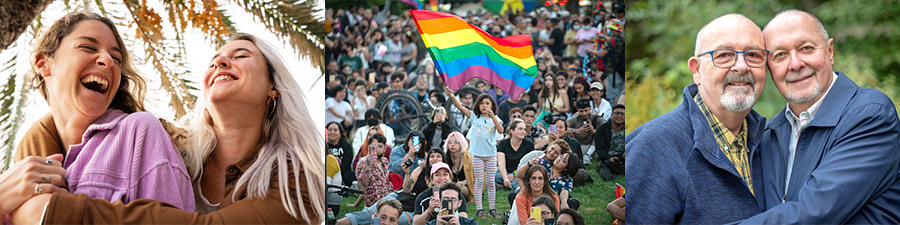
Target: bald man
699, 164
832, 154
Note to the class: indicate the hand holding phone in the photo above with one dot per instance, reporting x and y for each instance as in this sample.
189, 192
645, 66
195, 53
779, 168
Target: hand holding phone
536, 212
553, 129
415, 140
446, 206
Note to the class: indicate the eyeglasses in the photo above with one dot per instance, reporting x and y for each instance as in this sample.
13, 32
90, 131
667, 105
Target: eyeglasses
726, 58
376, 146
618, 113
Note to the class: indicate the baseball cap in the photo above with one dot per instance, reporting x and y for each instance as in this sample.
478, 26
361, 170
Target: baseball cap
597, 85
437, 166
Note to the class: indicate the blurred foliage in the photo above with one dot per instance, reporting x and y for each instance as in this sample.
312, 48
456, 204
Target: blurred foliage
661, 37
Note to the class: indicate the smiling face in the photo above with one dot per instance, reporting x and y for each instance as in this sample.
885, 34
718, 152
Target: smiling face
519, 131
801, 58
561, 162
83, 76
334, 132
552, 153
440, 177
735, 88
238, 75
435, 157
596, 93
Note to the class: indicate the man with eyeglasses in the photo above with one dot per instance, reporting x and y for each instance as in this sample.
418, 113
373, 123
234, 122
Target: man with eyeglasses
609, 140
699, 163
832, 154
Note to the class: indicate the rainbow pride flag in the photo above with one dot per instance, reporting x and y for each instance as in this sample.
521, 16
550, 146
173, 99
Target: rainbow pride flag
462, 51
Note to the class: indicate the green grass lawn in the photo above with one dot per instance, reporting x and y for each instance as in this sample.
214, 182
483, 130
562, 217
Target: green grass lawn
593, 197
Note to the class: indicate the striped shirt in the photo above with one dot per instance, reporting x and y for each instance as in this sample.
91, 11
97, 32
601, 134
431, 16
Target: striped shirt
733, 146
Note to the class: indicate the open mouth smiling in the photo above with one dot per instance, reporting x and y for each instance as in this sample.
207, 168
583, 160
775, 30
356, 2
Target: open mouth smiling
95, 83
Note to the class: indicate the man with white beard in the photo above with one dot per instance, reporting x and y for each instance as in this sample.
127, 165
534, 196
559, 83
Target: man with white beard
700, 163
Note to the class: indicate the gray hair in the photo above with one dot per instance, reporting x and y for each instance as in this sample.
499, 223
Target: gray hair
703, 31
819, 25
289, 144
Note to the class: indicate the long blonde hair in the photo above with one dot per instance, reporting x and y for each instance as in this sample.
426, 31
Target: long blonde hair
290, 142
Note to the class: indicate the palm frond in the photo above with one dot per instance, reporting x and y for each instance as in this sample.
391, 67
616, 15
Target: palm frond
10, 112
294, 20
150, 31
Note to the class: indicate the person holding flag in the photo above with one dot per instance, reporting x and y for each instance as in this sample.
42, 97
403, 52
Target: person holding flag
462, 51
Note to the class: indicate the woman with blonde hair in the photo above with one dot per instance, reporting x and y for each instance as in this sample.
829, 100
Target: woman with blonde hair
250, 153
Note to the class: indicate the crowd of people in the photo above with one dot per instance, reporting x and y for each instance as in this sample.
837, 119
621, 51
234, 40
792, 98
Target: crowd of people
538, 145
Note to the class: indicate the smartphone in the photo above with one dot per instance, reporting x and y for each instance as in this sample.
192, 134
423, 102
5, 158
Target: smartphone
415, 140
446, 205
553, 129
536, 212
549, 221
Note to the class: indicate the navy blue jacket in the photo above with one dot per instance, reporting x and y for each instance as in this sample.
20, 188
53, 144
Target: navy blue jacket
676, 173
846, 165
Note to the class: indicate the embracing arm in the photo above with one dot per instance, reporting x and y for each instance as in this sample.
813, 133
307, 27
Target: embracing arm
64, 208
862, 162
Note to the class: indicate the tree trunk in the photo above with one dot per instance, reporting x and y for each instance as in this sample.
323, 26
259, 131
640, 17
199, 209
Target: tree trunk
17, 16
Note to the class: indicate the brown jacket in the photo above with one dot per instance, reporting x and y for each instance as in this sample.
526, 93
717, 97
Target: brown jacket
470, 175
42, 140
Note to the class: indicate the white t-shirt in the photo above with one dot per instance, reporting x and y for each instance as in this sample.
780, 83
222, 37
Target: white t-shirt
604, 109
342, 108
362, 106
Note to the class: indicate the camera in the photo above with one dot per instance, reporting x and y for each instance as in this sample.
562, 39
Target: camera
408, 162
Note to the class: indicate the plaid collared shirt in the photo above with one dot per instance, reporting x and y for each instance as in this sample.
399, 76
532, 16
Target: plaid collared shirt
732, 145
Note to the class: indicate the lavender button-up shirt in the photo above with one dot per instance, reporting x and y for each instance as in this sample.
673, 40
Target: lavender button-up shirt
125, 157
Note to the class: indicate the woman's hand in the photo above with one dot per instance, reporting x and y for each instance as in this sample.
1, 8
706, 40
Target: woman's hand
449, 91
533, 221
29, 177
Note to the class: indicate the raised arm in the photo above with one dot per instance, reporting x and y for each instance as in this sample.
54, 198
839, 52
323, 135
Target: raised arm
465, 111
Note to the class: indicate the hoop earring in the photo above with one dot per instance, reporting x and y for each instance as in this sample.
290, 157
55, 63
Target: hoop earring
270, 111
37, 81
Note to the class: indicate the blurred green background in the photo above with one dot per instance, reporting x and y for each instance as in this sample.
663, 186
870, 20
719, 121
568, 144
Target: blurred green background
661, 36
